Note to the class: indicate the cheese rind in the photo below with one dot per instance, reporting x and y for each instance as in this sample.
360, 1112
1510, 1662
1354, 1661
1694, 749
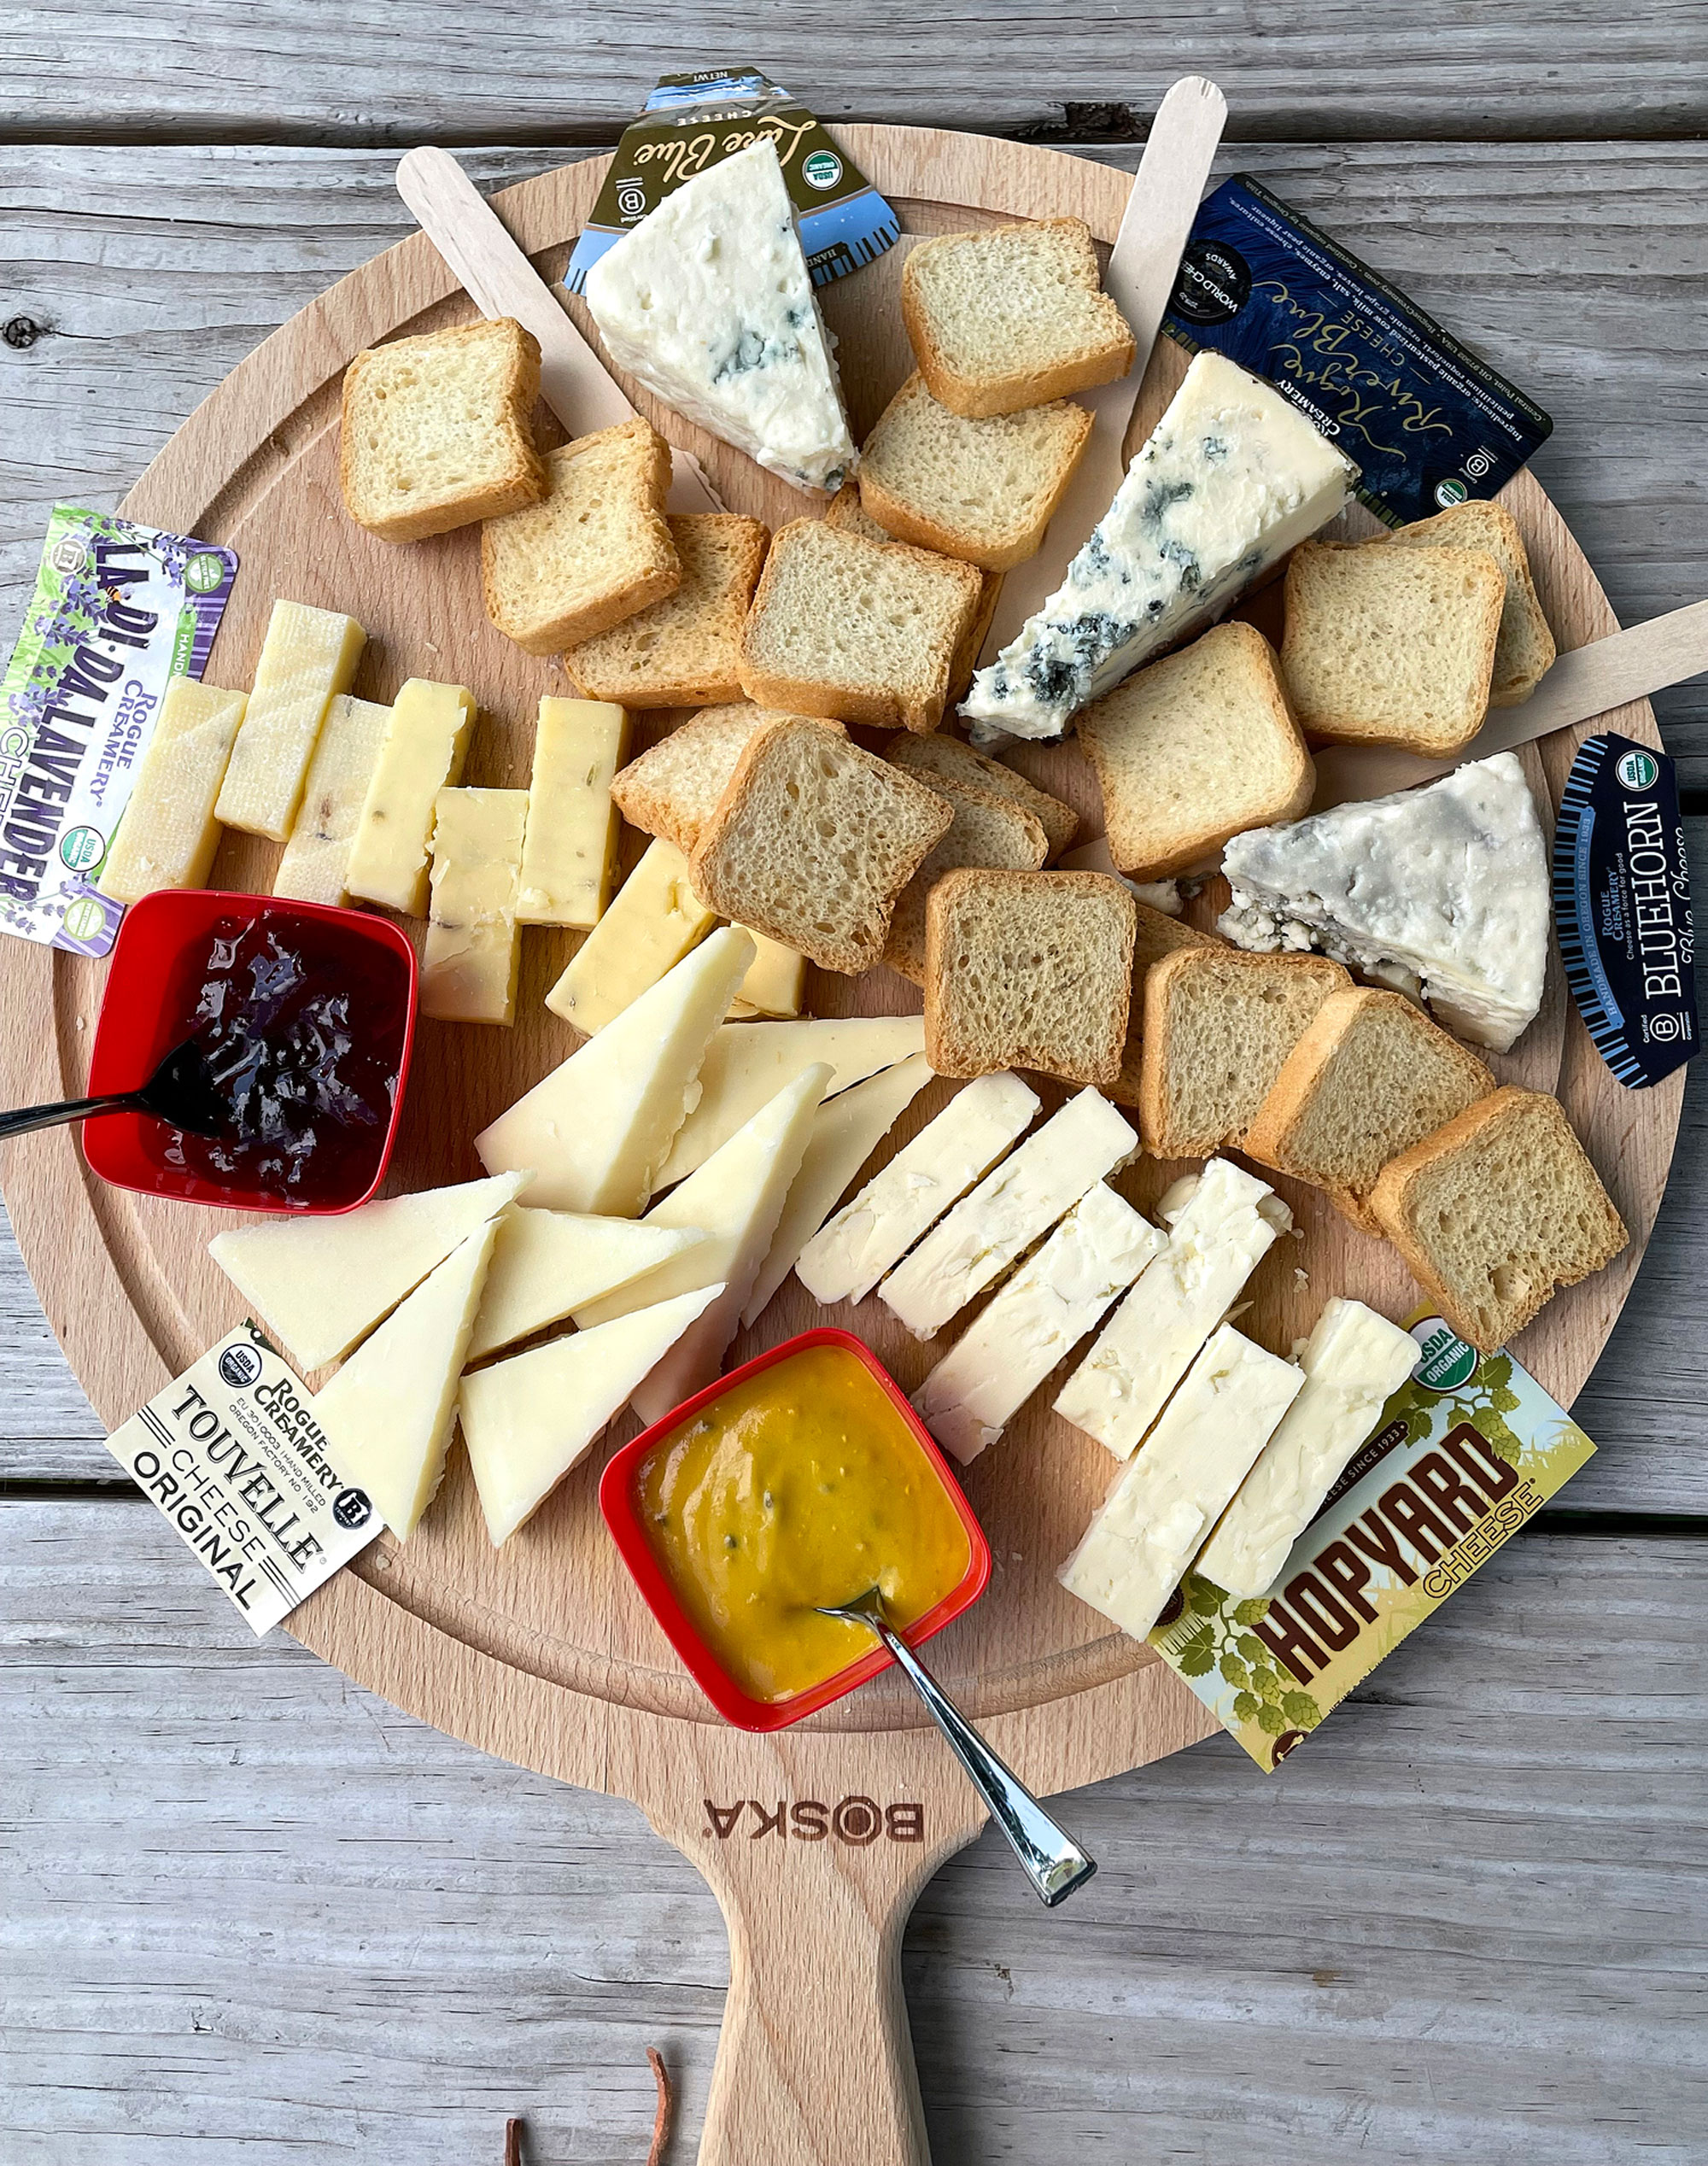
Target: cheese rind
1442, 892
853, 1251
546, 1263
422, 753
1221, 1226
321, 1284
469, 964
987, 1231
1035, 1321
569, 856
1354, 1361
527, 1421
655, 920
168, 835
1152, 1524
317, 854
709, 303
598, 1127
307, 657
1231, 478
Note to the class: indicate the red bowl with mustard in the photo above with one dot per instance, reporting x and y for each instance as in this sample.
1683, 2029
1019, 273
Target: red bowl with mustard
803, 1477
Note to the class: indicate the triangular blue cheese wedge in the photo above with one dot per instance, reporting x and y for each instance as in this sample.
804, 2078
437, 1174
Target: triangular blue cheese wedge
709, 303
1442, 892
1231, 478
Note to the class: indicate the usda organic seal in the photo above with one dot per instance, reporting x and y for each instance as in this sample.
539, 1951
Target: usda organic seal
1444, 1362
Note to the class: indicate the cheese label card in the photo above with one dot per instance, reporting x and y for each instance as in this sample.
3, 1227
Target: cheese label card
1467, 1451
691, 122
232, 1455
1427, 423
1622, 900
117, 612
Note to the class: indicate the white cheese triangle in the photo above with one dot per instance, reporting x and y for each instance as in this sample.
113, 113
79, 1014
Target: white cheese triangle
746, 1064
708, 302
321, 1284
389, 1411
846, 1131
547, 1262
528, 1420
598, 1127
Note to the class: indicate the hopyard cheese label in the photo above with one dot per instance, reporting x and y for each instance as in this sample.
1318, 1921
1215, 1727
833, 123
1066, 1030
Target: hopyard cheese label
1467, 1449
232, 1455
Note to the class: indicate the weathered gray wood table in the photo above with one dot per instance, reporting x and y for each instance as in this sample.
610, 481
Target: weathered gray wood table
247, 1911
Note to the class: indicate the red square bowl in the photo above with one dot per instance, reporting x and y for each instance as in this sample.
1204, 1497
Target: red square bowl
150, 1006
619, 1503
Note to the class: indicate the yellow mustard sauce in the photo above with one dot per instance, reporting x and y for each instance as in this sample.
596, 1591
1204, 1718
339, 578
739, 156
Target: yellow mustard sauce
802, 1486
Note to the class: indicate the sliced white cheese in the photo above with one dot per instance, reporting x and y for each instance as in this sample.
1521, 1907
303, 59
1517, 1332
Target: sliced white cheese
168, 835
549, 1263
848, 1256
1230, 480
1153, 1522
1221, 1226
774, 985
569, 858
528, 1420
746, 1064
708, 302
1036, 1320
846, 1131
1442, 892
308, 656
389, 1411
321, 1284
317, 855
473, 948
655, 920
989, 1230
599, 1126
422, 753
1353, 1362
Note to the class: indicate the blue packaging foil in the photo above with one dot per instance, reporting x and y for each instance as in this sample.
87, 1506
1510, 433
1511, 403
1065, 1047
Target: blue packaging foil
1622, 901
1427, 423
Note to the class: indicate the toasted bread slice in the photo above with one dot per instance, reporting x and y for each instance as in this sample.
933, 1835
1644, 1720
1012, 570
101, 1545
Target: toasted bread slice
1013, 316
682, 652
1155, 935
1028, 969
1372, 1076
671, 788
1525, 652
861, 631
844, 511
939, 753
813, 841
983, 491
987, 831
596, 550
1496, 1211
1218, 1025
1392, 647
438, 431
1198, 748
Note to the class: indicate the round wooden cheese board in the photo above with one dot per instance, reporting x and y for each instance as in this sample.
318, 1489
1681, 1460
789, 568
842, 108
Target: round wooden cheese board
542, 1654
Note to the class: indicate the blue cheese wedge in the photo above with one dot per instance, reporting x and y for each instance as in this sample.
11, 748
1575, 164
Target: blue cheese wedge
1441, 892
1354, 1361
1153, 1522
1036, 1321
709, 303
1230, 480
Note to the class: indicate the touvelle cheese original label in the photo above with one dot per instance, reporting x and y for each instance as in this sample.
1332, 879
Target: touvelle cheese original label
691, 122
1427, 423
117, 612
231, 1453
1468, 1449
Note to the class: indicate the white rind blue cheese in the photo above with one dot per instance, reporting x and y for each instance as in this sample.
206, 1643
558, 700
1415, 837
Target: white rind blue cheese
709, 303
1442, 892
1231, 478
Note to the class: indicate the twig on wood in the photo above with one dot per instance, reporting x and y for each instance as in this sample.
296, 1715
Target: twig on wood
661, 2120
512, 2143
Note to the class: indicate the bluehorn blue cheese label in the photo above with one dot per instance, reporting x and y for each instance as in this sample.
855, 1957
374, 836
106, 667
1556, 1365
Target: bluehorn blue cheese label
1622, 902
230, 1455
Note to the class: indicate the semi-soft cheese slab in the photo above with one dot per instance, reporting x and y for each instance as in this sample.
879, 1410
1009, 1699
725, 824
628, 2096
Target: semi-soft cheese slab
655, 919
709, 303
317, 855
546, 1263
569, 855
307, 657
168, 835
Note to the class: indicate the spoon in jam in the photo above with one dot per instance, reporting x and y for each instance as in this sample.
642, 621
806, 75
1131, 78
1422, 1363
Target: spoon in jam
1054, 1863
186, 1091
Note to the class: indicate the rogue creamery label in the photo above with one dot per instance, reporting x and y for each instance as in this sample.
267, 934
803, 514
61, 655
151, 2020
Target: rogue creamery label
232, 1455
1467, 1449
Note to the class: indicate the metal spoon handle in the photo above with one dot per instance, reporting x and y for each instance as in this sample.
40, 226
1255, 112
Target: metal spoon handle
1054, 1862
28, 1118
